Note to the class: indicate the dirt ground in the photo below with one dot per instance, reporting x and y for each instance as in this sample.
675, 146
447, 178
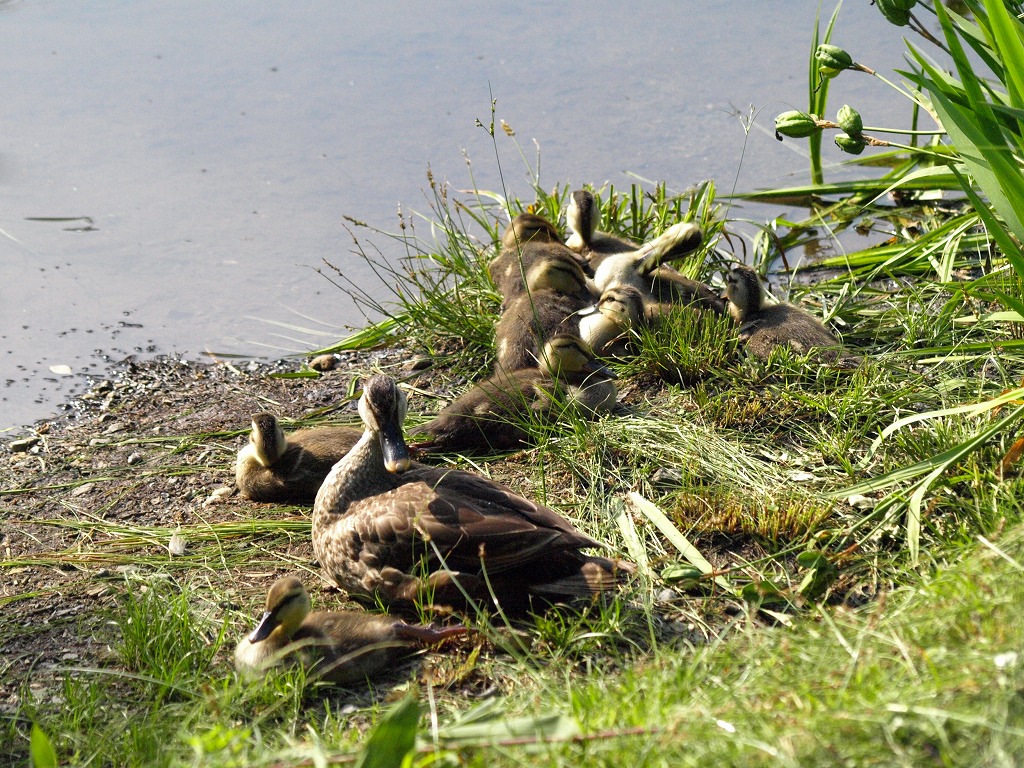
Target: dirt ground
96, 495
151, 447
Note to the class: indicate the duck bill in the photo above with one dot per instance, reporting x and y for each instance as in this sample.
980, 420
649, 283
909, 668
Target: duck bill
396, 453
266, 626
596, 366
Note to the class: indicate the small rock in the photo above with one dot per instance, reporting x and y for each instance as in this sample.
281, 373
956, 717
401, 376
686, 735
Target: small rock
135, 458
219, 495
801, 477
667, 477
61, 370
418, 363
177, 544
83, 489
325, 362
857, 501
18, 446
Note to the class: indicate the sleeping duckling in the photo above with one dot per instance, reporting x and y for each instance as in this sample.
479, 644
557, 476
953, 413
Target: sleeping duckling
528, 239
763, 326
527, 227
339, 646
493, 415
582, 216
397, 531
644, 270
556, 291
609, 326
273, 467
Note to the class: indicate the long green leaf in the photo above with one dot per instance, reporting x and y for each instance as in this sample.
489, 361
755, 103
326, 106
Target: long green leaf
929, 465
679, 541
40, 749
392, 738
972, 409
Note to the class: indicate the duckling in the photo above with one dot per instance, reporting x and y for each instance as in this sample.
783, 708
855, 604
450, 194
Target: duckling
763, 326
528, 239
608, 327
582, 217
272, 467
492, 415
527, 227
339, 646
390, 529
644, 270
556, 291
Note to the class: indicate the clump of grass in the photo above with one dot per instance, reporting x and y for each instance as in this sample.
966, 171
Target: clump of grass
162, 638
685, 346
780, 518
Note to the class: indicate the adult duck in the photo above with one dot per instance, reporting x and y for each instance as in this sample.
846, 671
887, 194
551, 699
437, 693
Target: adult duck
401, 532
283, 468
764, 326
337, 646
496, 413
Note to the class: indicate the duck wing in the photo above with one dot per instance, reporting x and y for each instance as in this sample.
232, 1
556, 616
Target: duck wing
467, 520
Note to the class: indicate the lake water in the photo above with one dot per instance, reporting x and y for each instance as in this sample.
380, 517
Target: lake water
171, 174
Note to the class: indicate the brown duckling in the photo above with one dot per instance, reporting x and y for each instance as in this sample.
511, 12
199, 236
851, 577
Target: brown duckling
644, 270
582, 216
764, 326
556, 291
494, 414
273, 467
390, 529
528, 239
610, 326
338, 646
527, 227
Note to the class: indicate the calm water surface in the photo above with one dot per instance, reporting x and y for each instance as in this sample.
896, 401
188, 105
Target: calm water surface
171, 174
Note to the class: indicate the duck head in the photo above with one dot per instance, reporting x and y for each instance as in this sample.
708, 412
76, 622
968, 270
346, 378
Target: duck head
568, 356
267, 438
382, 408
743, 291
287, 606
557, 274
622, 304
528, 227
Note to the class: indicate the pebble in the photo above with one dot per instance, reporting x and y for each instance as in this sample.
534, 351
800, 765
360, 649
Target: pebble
219, 495
18, 446
418, 363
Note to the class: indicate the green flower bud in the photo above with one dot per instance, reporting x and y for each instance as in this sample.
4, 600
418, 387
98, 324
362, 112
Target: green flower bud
795, 124
853, 145
894, 12
833, 57
906, 5
832, 60
849, 120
